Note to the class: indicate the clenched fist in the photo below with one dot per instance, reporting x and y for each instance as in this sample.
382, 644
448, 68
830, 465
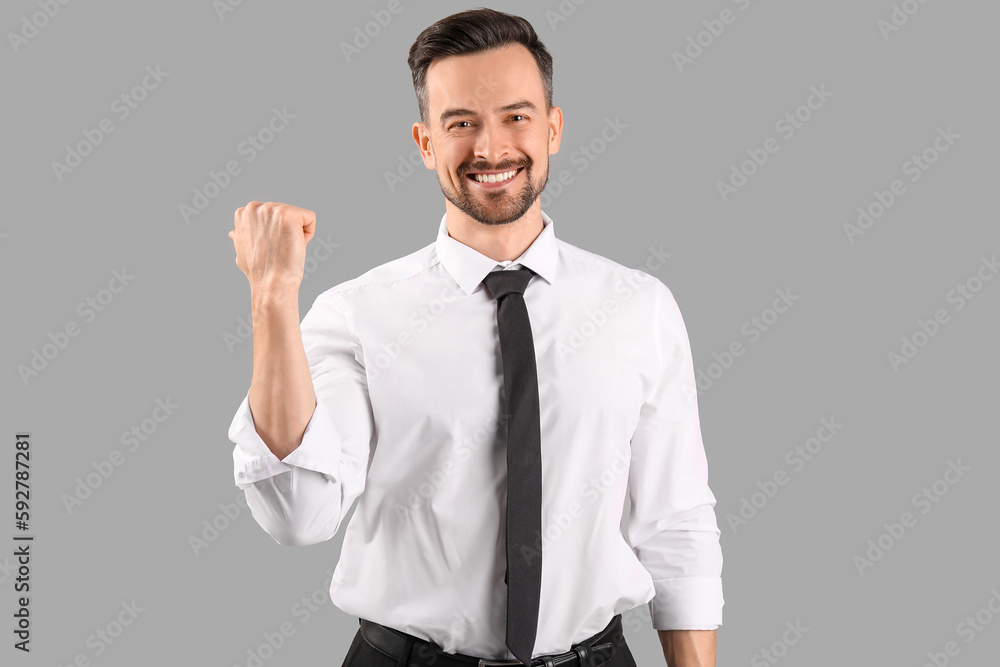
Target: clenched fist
270, 240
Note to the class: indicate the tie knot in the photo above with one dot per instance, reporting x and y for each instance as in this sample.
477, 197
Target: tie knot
503, 282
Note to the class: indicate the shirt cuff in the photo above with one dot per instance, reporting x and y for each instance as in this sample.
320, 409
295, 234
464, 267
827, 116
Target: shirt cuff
253, 461
687, 603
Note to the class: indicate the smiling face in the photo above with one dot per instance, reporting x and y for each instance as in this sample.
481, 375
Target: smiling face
487, 133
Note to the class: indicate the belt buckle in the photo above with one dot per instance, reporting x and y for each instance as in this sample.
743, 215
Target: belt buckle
494, 663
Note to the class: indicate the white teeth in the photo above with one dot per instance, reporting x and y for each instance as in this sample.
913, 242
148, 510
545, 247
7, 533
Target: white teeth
495, 178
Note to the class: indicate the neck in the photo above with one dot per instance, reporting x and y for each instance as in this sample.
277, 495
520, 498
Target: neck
500, 243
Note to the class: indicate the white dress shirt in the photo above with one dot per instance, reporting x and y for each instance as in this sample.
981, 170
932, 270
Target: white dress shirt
406, 368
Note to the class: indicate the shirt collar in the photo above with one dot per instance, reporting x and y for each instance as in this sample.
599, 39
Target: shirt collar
468, 266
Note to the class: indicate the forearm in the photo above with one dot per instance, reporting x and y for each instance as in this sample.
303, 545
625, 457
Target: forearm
281, 398
688, 648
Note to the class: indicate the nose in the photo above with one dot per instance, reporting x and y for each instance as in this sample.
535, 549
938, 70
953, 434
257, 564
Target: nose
492, 143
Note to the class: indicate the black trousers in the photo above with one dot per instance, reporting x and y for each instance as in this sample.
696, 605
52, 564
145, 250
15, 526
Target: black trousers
363, 654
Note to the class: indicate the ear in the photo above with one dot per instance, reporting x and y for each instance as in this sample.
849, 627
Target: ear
423, 140
555, 129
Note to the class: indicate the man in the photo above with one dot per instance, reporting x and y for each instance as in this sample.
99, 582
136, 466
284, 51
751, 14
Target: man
409, 386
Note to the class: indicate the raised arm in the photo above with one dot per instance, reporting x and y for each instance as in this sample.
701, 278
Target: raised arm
270, 240
309, 387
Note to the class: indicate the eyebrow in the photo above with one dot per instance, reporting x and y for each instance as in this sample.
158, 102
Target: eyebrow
513, 106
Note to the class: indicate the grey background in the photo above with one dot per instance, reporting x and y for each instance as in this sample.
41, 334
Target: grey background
164, 335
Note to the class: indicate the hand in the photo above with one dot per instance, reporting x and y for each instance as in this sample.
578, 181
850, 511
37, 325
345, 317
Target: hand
270, 240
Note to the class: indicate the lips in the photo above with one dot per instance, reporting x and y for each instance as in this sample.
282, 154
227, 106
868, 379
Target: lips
511, 175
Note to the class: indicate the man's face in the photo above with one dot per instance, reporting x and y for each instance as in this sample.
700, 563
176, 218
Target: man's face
486, 115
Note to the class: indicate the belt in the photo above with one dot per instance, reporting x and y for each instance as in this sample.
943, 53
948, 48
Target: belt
412, 651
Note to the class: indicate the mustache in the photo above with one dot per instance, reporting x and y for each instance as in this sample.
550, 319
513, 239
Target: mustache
483, 166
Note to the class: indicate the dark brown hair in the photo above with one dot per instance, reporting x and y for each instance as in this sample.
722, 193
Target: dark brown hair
473, 31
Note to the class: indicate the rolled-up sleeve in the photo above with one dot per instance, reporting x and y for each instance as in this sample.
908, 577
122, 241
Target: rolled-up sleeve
302, 498
672, 526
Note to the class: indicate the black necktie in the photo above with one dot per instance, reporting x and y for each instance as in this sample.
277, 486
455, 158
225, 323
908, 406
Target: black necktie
524, 459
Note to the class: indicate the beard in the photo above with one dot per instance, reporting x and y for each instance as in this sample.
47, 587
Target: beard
500, 206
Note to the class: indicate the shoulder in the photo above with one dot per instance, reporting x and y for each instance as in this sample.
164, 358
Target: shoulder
641, 287
384, 275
